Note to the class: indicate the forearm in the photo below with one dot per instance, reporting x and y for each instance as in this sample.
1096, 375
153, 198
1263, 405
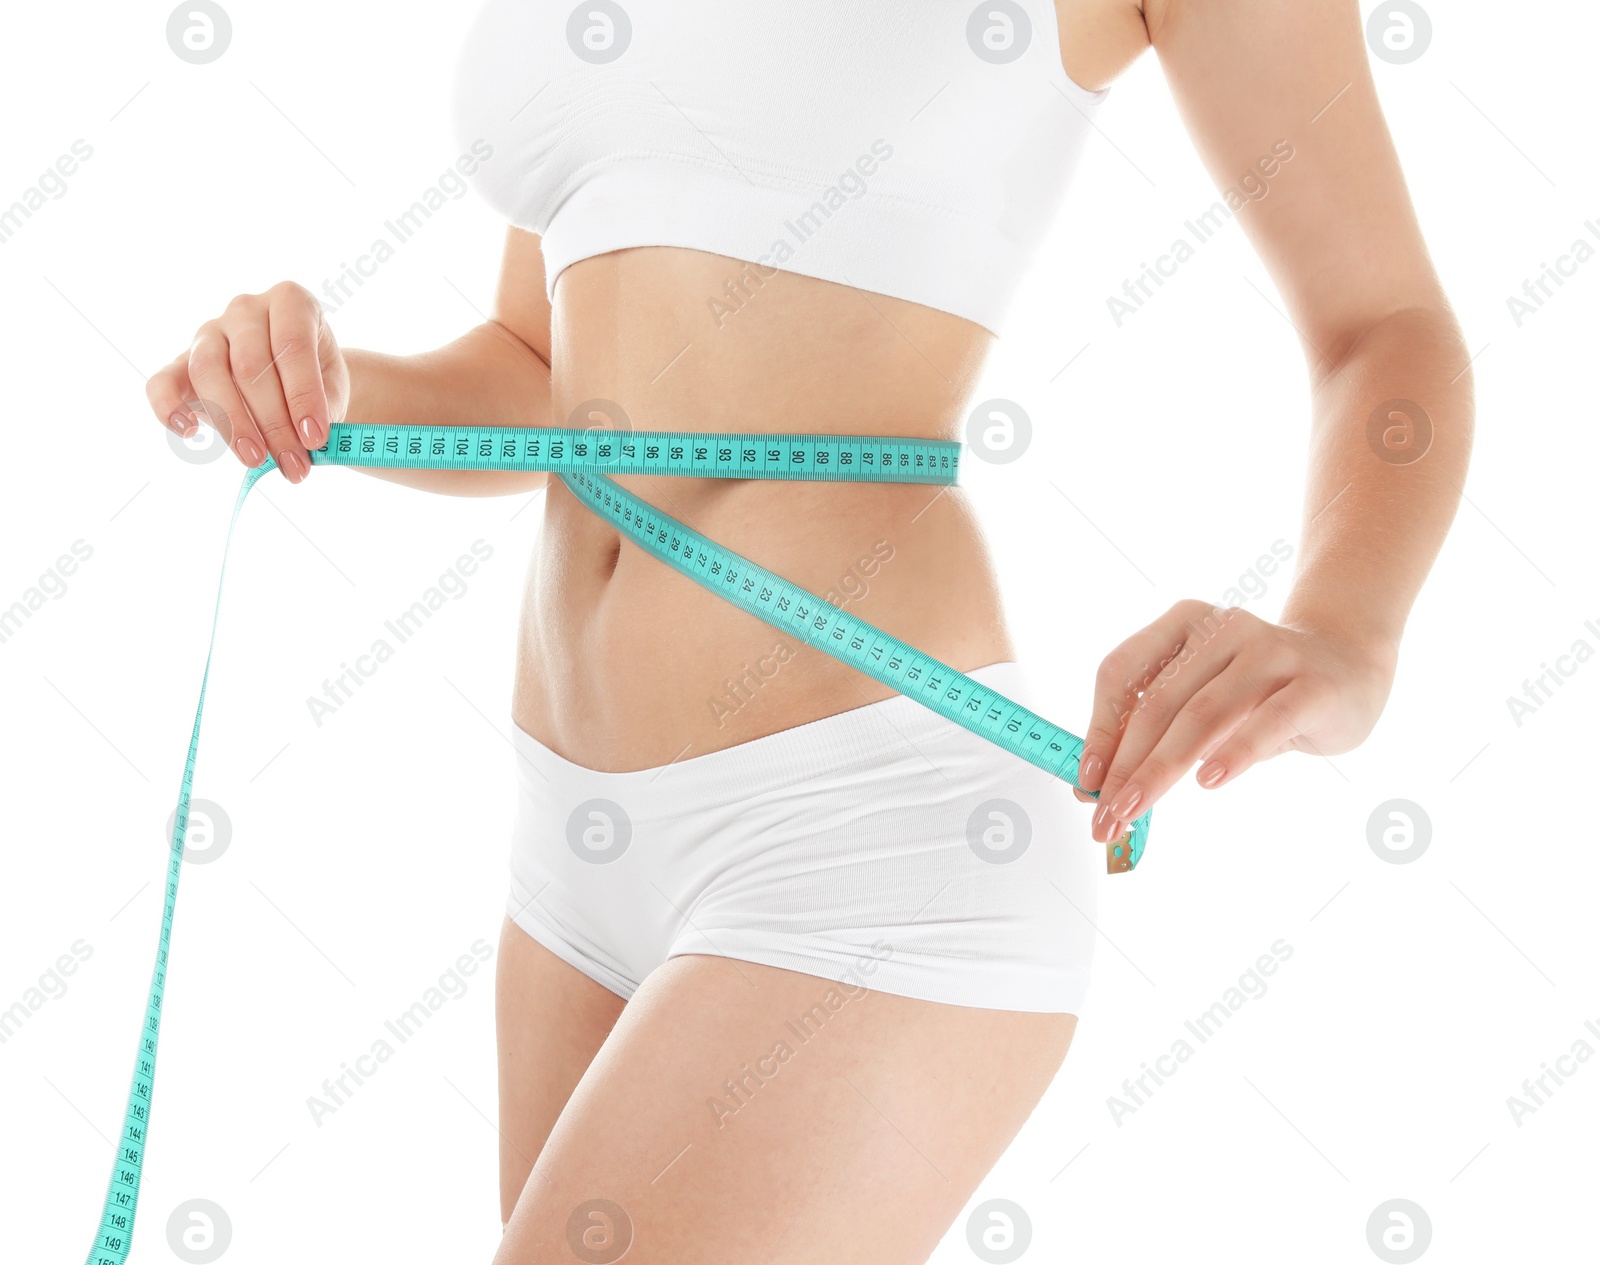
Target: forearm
487, 377
1377, 509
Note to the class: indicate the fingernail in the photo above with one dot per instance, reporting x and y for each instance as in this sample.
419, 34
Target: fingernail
1212, 774
1122, 807
294, 465
1091, 771
180, 422
308, 432
1102, 820
249, 451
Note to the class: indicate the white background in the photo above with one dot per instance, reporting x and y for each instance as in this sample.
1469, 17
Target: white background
369, 853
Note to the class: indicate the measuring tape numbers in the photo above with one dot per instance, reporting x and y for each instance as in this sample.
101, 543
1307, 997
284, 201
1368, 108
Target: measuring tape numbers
122, 1196
583, 460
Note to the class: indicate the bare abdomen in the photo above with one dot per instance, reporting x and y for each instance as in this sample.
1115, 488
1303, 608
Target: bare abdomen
626, 664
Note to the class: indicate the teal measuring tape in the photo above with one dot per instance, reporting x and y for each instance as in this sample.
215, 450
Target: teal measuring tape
583, 460
561, 451
122, 1197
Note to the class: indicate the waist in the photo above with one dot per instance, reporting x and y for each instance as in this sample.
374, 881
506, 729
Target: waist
624, 663
891, 735
672, 339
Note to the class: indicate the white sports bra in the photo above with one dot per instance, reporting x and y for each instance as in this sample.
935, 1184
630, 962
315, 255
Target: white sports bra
914, 148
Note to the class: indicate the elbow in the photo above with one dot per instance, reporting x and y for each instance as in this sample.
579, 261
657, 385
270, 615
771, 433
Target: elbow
1413, 368
1423, 341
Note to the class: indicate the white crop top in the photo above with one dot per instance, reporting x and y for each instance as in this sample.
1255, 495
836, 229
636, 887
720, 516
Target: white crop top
914, 148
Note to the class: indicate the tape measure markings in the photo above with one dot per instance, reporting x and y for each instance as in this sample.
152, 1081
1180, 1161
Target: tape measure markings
115, 1238
562, 450
578, 457
826, 627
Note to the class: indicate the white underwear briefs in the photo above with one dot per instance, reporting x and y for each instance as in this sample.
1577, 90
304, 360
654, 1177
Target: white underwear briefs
883, 847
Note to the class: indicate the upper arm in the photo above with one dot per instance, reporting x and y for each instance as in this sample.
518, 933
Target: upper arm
520, 304
1256, 80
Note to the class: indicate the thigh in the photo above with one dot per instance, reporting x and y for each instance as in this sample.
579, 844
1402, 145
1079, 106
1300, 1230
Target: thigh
741, 1112
550, 1019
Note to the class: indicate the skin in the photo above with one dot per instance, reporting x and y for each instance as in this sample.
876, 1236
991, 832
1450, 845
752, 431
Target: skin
864, 1140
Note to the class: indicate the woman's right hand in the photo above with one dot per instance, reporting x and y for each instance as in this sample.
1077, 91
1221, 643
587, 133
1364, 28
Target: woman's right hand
269, 364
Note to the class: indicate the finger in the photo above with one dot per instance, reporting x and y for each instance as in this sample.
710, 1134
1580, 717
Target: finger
212, 378
1279, 723
1118, 684
256, 376
294, 320
1209, 716
169, 392
1126, 673
1173, 688
1122, 798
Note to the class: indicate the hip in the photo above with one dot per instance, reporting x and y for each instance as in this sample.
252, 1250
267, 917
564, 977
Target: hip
884, 839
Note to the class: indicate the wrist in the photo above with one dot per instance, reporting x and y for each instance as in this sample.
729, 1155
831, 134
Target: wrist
1360, 632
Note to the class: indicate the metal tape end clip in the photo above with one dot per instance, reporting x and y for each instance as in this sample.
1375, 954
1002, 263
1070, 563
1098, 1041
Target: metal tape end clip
1119, 853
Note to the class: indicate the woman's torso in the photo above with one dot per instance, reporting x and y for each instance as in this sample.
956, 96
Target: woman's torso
623, 663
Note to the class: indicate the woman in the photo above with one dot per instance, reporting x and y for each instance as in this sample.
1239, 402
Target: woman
761, 993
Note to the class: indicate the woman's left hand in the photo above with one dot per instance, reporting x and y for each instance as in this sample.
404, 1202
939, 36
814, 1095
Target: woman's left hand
1227, 689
